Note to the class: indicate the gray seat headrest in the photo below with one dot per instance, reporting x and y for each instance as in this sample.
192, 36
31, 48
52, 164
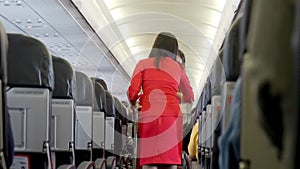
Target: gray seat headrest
120, 109
109, 107
208, 92
216, 75
3, 54
231, 57
203, 101
101, 81
29, 63
100, 97
64, 78
84, 90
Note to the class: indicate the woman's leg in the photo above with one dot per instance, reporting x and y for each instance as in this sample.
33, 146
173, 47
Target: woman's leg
150, 167
168, 167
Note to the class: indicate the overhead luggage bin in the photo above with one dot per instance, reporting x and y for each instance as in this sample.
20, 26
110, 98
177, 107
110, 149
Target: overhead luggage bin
30, 82
63, 113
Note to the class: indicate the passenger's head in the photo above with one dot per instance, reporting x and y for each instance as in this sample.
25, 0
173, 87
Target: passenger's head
181, 58
165, 45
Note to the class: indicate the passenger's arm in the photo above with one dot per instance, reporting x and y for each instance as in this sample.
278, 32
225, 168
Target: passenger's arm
193, 144
186, 89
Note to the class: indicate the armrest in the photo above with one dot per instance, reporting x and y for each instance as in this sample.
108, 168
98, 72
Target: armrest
111, 162
67, 166
86, 165
100, 163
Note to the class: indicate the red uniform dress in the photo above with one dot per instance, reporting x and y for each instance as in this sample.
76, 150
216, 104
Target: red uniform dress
160, 119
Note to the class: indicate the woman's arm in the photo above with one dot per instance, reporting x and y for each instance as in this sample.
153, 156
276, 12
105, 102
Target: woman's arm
179, 95
135, 84
186, 89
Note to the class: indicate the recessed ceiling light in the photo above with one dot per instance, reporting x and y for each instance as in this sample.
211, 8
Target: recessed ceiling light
28, 26
18, 3
18, 21
6, 3
55, 35
36, 35
46, 34
28, 21
39, 21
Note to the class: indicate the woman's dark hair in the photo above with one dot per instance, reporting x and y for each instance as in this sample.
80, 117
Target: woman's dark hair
165, 45
182, 57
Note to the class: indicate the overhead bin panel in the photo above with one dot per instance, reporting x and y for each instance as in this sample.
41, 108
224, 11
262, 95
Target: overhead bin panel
64, 31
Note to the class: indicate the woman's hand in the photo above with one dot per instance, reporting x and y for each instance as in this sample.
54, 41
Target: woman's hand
179, 95
138, 106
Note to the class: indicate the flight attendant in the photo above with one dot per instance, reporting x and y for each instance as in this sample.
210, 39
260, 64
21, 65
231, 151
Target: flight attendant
160, 119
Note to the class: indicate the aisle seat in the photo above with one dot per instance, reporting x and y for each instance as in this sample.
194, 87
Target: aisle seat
30, 86
84, 120
6, 135
63, 113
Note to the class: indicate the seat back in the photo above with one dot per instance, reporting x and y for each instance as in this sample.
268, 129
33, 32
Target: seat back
202, 125
6, 135
98, 116
231, 65
29, 94
84, 113
216, 83
217, 75
110, 122
120, 126
267, 87
203, 109
296, 55
63, 113
63, 106
208, 122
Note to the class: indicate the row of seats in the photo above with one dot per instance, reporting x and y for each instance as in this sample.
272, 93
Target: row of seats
249, 108
60, 118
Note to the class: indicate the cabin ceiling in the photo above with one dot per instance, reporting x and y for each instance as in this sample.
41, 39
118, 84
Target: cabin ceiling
106, 38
